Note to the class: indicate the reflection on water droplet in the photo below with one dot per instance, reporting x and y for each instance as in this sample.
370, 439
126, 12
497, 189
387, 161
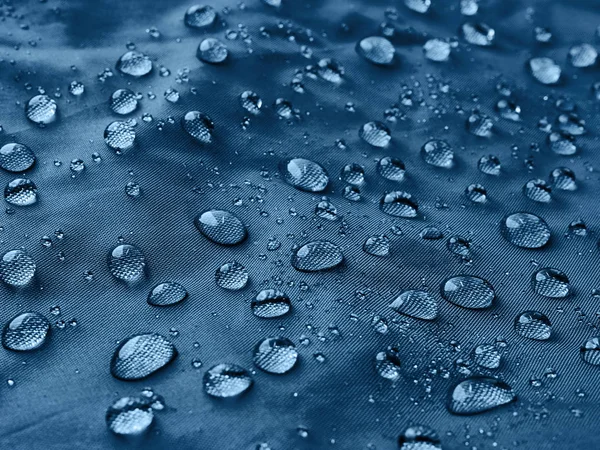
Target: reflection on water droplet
251, 102
478, 34
388, 364
129, 416
353, 174
377, 245
431, 233
304, 174
563, 178
476, 193
141, 355
551, 283
123, 101
316, 256
419, 437
533, 325
391, 168
226, 380
525, 230
544, 70
330, 70
487, 356
590, 351
562, 143
480, 125
376, 49
270, 303
468, 292
221, 227
438, 153
200, 16
399, 204
199, 126
437, 50
277, 355
127, 262
489, 165
326, 210
232, 276
16, 157
17, 268
538, 190
416, 304
351, 193
26, 331
166, 294
478, 394
41, 109
212, 51
119, 136
135, 64
21, 192
375, 133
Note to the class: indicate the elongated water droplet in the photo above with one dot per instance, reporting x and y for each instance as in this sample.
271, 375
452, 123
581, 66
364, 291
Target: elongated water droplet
490, 165
544, 70
438, 153
304, 174
479, 394
476, 193
391, 168
563, 178
468, 292
375, 133
377, 245
419, 437
140, 356
590, 351
330, 70
166, 294
487, 356
562, 143
26, 331
417, 304
251, 102
478, 34
277, 355
199, 126
420, 6
399, 204
525, 230
437, 50
221, 227
200, 16
583, 55
270, 303
226, 380
538, 190
317, 255
353, 174
129, 416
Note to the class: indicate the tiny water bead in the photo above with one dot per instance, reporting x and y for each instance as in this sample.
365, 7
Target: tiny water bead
478, 34
276, 355
212, 51
353, 174
438, 153
199, 126
270, 303
490, 165
127, 263
551, 283
316, 256
476, 193
583, 55
563, 178
17, 268
304, 174
419, 437
26, 331
226, 380
416, 304
391, 169
166, 294
468, 292
437, 50
16, 157
123, 101
119, 136
544, 70
135, 64
129, 416
533, 325
479, 394
76, 166
487, 356
388, 364
251, 102
200, 16
221, 227
141, 355
525, 230
330, 70
377, 245
375, 133
376, 49
399, 204
232, 276
21, 192
590, 351
41, 109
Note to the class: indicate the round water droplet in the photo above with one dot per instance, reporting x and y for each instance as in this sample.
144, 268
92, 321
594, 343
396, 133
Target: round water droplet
16, 157
166, 294
544, 70
226, 380
251, 102
284, 108
17, 268
468, 292
582, 55
437, 50
538, 190
129, 416
200, 16
317, 255
487, 356
376, 49
232, 276
533, 325
127, 262
123, 101
480, 125
41, 109
578, 228
221, 227
416, 304
551, 283
377, 245
140, 356
590, 351
562, 143
21, 192
276, 355
326, 210
459, 246
391, 168
509, 109
135, 64
490, 165
438, 153
399, 204
419, 437
212, 51
133, 189
375, 133
563, 178
304, 174
330, 70
571, 124
420, 6
119, 136
76, 88
479, 394
387, 364
26, 331
270, 303
199, 126
353, 174
525, 230
478, 34
476, 193
351, 193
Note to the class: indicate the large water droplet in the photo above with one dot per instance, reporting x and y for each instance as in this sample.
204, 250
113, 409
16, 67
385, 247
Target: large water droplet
127, 262
200, 16
375, 133
199, 126
140, 356
16, 157
399, 204
21, 192
438, 153
478, 394
377, 245
276, 355
226, 380
476, 193
551, 283
391, 168
135, 64
590, 351
417, 304
26, 331
166, 294
525, 230
437, 50
129, 416
487, 356
533, 325
304, 174
270, 303
119, 136
376, 49
221, 227
478, 34
468, 292
582, 55
41, 109
232, 276
317, 255
544, 70
212, 51
17, 268
562, 143
123, 101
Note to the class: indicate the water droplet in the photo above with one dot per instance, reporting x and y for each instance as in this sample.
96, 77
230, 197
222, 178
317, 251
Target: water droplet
330, 70
562, 143
478, 394
431, 233
551, 283
17, 268
133, 189
16, 157
391, 168
590, 351
326, 210
127, 262
21, 192
351, 193
459, 246
317, 255
277, 355
377, 245
375, 133
129, 416
544, 70
221, 227
437, 50
212, 51
420, 6
135, 64
480, 125
476, 193
509, 109
304, 174
232, 276
200, 16
199, 126
578, 228
123, 101
563, 178
438, 153
542, 34
270, 303
537, 190
533, 325
419, 437
490, 165
416, 304
376, 49
478, 34
41, 109
399, 204
582, 55
468, 292
141, 355
251, 102
487, 356
26, 331
525, 230
353, 174
226, 380
76, 88
388, 364
119, 136
166, 294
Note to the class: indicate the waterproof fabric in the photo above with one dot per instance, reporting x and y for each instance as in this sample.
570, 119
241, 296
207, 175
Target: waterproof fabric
58, 395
